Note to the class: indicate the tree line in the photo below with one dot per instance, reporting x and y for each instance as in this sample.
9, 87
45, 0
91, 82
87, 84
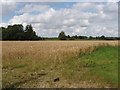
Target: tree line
63, 36
17, 32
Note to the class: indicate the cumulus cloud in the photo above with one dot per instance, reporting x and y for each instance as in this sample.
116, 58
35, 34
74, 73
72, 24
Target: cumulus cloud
8, 8
33, 8
80, 19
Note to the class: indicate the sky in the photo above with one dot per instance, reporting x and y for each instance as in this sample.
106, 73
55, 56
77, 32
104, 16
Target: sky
74, 18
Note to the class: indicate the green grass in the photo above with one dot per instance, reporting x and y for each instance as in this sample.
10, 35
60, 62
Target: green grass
100, 66
103, 63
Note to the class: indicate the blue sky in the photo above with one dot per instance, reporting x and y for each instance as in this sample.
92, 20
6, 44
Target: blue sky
55, 5
48, 19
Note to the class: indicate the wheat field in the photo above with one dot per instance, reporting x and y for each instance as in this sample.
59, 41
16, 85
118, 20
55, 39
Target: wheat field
37, 63
44, 49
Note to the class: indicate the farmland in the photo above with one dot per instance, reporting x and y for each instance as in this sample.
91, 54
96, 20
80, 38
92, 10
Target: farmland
59, 64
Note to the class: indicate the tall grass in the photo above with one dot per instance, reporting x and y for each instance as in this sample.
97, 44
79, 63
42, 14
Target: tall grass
23, 60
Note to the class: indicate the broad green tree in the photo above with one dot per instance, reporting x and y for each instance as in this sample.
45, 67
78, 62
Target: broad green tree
62, 36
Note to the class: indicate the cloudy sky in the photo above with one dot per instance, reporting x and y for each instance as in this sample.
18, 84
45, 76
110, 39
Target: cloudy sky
75, 18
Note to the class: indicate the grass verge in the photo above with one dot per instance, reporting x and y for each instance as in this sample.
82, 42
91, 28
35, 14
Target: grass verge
100, 67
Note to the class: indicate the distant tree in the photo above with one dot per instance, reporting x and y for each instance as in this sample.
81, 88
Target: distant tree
3, 32
102, 37
30, 34
11, 32
90, 37
72, 38
16, 32
68, 36
62, 36
110, 38
97, 38
76, 37
82, 37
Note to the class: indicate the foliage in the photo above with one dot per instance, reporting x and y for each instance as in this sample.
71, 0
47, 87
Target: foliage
68, 37
16, 32
62, 36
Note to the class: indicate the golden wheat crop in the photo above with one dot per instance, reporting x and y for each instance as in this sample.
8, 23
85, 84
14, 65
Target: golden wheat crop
23, 59
44, 49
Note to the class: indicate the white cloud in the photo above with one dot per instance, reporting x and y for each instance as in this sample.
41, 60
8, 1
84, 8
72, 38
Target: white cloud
8, 8
33, 8
81, 19
113, 1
